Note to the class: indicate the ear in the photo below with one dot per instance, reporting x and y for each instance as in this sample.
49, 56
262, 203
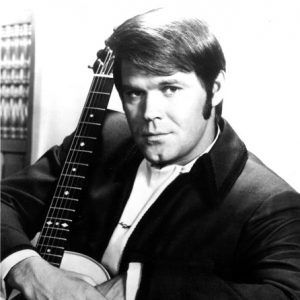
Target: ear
218, 89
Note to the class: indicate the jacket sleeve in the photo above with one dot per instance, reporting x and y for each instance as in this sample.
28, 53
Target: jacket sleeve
267, 262
24, 196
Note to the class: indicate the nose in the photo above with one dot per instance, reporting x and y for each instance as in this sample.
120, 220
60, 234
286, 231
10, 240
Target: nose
153, 106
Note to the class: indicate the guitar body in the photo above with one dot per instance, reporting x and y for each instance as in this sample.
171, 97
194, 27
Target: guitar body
92, 271
87, 269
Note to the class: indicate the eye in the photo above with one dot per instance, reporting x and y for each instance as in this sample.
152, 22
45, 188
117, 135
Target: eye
131, 95
170, 90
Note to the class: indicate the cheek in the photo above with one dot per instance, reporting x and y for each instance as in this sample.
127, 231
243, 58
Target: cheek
132, 111
187, 115
133, 120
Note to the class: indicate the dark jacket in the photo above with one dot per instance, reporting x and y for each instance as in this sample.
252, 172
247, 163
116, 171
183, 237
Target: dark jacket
228, 229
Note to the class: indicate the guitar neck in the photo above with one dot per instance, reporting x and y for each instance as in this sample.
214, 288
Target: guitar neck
54, 234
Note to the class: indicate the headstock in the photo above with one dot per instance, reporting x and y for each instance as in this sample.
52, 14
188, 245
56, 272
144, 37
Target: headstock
104, 62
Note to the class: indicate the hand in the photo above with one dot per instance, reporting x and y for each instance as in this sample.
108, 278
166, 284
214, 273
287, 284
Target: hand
113, 289
36, 279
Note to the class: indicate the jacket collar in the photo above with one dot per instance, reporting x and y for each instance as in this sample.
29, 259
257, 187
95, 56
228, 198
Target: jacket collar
216, 172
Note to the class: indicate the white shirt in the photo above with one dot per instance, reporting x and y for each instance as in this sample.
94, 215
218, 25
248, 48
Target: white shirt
148, 185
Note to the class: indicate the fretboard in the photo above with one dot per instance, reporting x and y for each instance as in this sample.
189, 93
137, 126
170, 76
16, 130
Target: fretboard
55, 231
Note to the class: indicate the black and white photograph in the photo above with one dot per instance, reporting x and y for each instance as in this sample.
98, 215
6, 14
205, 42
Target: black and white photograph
150, 150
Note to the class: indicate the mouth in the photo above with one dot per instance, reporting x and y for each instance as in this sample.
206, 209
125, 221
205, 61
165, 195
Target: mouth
155, 137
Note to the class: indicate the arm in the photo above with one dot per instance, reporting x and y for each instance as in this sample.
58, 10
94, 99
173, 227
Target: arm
112, 289
9, 262
268, 259
24, 197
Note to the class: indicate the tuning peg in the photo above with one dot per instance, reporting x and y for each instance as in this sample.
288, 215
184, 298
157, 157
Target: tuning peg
101, 54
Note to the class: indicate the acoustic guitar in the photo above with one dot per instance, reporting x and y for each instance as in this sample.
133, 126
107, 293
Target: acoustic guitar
56, 228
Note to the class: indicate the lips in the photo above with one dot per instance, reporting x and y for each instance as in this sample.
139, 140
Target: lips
154, 134
155, 137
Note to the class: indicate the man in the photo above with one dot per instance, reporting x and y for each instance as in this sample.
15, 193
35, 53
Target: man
182, 210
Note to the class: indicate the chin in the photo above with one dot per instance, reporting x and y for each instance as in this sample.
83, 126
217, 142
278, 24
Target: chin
153, 157
158, 154
157, 158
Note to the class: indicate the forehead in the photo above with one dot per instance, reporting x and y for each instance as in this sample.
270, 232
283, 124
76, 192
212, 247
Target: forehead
133, 76
129, 71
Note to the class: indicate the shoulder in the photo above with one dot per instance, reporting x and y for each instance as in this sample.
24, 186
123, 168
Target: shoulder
261, 180
253, 186
266, 192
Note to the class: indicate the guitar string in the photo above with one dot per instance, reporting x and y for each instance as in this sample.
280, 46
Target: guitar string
96, 83
96, 87
59, 188
76, 153
92, 97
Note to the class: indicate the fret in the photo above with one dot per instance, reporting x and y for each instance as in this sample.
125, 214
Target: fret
80, 150
100, 93
96, 108
72, 175
66, 198
82, 143
53, 237
103, 75
93, 113
102, 85
58, 242
70, 187
90, 123
57, 228
73, 168
56, 264
88, 130
62, 208
98, 99
55, 219
50, 254
76, 163
86, 137
70, 181
52, 246
84, 140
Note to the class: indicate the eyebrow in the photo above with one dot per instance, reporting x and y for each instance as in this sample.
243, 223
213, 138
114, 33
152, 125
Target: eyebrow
162, 83
129, 87
169, 81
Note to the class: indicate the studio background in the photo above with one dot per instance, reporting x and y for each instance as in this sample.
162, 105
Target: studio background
260, 39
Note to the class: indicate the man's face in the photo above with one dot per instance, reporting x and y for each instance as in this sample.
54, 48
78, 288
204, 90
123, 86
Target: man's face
165, 114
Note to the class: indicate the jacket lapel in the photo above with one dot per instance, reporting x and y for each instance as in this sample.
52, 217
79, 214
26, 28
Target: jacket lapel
216, 172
